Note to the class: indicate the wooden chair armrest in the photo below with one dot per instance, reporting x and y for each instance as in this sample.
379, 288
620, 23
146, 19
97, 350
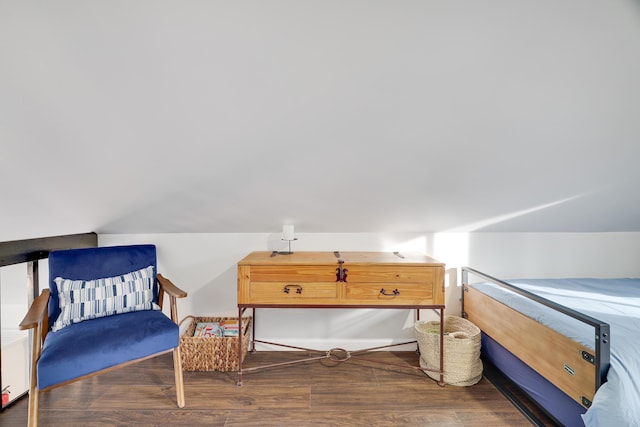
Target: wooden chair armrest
37, 311
173, 291
170, 288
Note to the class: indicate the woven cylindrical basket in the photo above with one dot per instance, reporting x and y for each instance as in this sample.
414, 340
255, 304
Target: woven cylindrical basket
211, 353
462, 364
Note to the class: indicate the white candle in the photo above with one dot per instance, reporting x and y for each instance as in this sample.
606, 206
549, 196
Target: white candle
287, 232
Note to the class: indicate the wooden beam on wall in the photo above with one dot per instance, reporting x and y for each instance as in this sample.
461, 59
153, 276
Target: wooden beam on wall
19, 251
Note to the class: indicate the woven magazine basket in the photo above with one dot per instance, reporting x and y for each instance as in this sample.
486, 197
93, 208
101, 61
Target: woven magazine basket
211, 353
462, 364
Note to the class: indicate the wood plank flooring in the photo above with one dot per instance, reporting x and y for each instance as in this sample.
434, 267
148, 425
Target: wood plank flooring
318, 393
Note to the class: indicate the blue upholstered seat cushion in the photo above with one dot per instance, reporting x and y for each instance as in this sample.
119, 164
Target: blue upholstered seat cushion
89, 299
96, 344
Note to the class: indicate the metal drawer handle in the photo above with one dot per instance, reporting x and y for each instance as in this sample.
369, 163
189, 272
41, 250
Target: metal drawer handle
396, 292
287, 288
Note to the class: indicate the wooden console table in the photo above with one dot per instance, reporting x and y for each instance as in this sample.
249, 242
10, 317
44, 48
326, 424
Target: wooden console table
338, 280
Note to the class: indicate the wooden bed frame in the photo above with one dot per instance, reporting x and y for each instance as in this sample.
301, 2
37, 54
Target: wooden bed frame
570, 366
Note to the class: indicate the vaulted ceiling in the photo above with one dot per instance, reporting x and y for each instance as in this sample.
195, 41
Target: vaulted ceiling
145, 116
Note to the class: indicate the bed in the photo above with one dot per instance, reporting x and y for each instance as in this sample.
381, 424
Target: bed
572, 344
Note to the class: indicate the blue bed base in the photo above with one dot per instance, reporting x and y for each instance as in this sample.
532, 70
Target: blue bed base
551, 399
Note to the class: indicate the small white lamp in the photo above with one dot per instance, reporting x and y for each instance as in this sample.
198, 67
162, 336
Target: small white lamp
287, 235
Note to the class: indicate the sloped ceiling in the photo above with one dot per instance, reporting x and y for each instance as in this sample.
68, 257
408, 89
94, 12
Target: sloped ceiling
337, 116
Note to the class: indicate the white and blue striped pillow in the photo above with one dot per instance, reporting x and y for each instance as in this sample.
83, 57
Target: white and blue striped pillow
89, 299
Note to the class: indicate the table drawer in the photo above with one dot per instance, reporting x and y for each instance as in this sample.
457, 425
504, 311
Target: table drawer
292, 293
294, 273
389, 293
389, 274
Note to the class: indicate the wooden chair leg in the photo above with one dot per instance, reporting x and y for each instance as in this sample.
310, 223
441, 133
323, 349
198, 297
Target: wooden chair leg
33, 407
177, 367
34, 393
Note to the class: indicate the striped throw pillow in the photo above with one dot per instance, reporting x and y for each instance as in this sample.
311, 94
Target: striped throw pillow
89, 299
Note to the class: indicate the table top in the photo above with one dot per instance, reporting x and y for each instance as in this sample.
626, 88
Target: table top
351, 258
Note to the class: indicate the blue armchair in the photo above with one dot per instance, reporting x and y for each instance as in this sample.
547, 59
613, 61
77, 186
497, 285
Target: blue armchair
102, 310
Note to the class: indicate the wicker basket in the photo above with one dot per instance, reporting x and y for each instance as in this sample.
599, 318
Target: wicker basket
211, 353
462, 364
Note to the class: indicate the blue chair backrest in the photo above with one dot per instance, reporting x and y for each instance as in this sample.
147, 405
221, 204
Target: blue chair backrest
97, 263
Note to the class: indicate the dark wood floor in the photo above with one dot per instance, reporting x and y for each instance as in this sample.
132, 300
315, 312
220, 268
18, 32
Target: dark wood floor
319, 393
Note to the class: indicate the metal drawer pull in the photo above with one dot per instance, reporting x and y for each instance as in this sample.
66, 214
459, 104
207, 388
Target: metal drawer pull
396, 292
297, 287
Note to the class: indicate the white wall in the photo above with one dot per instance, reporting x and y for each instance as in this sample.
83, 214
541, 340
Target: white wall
205, 266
